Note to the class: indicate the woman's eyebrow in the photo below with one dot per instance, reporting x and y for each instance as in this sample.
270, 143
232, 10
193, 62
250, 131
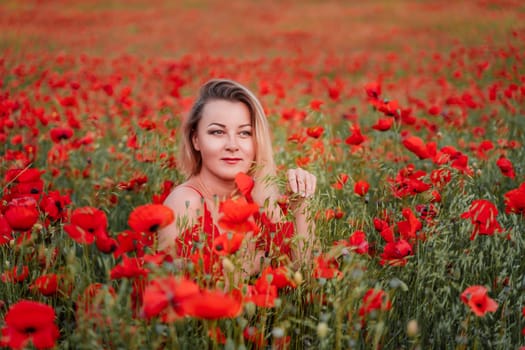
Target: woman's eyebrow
223, 126
217, 124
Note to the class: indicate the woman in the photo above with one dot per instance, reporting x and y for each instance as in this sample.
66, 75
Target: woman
227, 133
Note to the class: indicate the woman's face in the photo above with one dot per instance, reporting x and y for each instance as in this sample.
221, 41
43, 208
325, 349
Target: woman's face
225, 139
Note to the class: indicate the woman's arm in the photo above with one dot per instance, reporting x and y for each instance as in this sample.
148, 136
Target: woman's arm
302, 184
187, 206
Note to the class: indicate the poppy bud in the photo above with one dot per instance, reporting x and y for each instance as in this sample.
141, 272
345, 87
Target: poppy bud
322, 329
412, 328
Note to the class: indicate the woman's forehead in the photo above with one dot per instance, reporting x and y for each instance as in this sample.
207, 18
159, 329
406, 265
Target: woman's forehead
226, 112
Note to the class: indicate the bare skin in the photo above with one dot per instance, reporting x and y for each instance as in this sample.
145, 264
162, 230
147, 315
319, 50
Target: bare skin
224, 137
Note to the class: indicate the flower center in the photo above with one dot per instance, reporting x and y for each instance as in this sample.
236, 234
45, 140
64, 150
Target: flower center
30, 330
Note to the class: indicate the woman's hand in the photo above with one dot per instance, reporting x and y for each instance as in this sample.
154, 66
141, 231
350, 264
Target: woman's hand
301, 182
302, 185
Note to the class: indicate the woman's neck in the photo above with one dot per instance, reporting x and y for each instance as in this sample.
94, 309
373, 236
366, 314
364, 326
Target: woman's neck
213, 187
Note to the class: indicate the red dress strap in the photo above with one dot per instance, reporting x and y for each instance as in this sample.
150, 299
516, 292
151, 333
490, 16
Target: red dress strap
195, 189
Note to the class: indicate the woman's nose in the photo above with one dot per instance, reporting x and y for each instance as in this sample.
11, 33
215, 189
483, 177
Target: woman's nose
232, 144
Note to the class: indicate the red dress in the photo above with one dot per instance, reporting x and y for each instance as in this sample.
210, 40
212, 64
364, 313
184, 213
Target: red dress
196, 243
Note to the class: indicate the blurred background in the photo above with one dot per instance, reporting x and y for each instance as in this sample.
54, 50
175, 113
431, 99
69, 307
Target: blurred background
247, 29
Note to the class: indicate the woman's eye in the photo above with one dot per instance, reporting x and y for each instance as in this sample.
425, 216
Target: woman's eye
245, 133
215, 132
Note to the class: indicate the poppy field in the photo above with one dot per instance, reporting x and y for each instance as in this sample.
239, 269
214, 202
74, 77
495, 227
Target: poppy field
411, 114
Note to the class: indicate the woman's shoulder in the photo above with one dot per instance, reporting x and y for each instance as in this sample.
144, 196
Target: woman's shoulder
184, 197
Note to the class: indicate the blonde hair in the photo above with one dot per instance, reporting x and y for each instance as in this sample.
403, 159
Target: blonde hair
264, 169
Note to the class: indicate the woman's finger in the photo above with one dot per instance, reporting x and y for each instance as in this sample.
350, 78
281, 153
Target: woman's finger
302, 183
292, 180
311, 185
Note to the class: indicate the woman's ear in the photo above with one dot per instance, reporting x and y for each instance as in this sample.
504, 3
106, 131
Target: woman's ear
195, 141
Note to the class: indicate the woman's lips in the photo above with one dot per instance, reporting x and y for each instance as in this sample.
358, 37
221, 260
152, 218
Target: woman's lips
231, 160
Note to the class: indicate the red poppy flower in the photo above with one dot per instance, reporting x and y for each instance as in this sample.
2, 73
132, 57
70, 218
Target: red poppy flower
298, 138
388, 234
280, 277
315, 105
506, 167
436, 197
68, 101
132, 241
356, 138
326, 268
515, 200
408, 182
416, 145
105, 243
165, 296
134, 184
47, 285
461, 163
16, 274
389, 108
85, 140
85, 222
383, 124
205, 262
25, 183
410, 226
157, 259
342, 179
334, 89
373, 90
212, 305
78, 234
380, 225
22, 213
26, 175
302, 161
483, 215
185, 243
262, 295
245, 185
5, 230
129, 268
53, 204
293, 114
374, 300
440, 177
274, 238
236, 215
445, 155
149, 218
29, 322
427, 211
167, 186
361, 187
359, 242
315, 131
228, 243
61, 133
336, 213
477, 299
434, 110
482, 148
395, 253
